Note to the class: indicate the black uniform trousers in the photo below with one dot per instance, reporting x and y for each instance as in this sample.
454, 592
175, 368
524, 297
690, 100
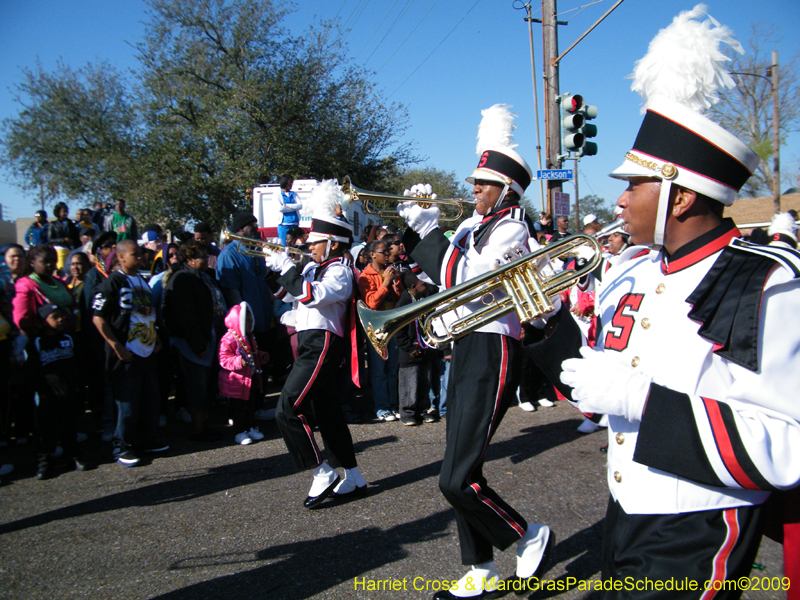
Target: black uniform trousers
484, 375
309, 397
715, 546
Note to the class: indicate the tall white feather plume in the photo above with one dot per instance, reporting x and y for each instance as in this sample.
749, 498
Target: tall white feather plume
323, 200
496, 129
782, 223
684, 62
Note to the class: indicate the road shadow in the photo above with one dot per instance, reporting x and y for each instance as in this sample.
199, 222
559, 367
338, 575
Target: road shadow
304, 569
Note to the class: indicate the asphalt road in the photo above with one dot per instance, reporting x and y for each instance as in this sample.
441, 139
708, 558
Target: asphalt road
227, 521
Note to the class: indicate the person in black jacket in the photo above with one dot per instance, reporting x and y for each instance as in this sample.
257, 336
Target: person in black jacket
52, 356
191, 299
416, 358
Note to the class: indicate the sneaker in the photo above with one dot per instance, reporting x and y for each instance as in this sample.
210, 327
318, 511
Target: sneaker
184, 415
386, 417
128, 459
545, 403
44, 472
410, 421
265, 414
80, 465
527, 406
81, 437
243, 439
431, 416
156, 447
396, 415
255, 434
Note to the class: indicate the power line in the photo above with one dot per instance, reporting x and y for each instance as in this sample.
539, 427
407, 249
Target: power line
341, 6
435, 49
408, 36
386, 16
580, 9
391, 27
349, 28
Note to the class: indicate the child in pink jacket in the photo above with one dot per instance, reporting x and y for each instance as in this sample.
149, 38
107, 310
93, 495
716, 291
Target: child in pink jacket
240, 376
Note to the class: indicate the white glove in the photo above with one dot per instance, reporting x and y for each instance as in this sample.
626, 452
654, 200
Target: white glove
278, 261
602, 383
421, 220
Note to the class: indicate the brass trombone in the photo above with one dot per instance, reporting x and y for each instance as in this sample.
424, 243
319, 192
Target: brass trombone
370, 200
250, 247
527, 292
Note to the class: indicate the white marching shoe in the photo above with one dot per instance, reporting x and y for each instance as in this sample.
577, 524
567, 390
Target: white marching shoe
481, 581
325, 480
352, 484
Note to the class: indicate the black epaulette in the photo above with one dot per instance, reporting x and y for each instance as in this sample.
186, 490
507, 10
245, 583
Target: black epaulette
727, 303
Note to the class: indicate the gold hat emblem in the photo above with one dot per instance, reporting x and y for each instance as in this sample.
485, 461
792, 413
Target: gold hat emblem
669, 171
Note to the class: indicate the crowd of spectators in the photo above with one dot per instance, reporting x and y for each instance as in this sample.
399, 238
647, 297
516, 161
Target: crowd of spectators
121, 331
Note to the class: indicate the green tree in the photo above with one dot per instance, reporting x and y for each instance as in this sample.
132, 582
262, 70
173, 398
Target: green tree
233, 101
225, 99
74, 136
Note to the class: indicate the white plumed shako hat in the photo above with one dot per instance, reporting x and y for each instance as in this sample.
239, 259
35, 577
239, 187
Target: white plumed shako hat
498, 161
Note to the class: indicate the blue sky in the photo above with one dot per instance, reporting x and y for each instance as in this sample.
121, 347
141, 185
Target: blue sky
445, 60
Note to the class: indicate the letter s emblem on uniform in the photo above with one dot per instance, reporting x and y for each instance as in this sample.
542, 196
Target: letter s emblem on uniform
624, 321
484, 158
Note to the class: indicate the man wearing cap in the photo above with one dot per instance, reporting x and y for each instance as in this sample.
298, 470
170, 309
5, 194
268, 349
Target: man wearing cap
486, 365
37, 232
324, 291
241, 277
695, 365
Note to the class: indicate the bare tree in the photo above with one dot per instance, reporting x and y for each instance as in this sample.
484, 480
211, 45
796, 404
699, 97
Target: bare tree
746, 110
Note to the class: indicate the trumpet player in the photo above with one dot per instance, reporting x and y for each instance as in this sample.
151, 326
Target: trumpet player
486, 364
324, 291
697, 360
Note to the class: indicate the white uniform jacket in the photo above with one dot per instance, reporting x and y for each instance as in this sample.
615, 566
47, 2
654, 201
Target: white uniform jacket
454, 261
716, 432
324, 294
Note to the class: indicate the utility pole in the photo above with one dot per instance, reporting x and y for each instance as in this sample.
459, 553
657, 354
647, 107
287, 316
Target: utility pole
776, 143
551, 91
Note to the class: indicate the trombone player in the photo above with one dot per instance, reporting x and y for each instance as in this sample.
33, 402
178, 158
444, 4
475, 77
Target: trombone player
485, 368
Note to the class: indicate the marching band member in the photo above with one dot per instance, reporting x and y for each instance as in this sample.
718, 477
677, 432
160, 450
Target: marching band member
324, 290
485, 368
697, 361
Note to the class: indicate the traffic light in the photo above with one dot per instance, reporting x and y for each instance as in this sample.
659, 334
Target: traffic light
575, 112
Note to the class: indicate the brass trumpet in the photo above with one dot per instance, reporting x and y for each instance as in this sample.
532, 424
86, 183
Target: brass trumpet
527, 292
370, 200
250, 247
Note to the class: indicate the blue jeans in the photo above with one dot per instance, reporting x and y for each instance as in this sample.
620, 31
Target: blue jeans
135, 388
439, 379
383, 377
